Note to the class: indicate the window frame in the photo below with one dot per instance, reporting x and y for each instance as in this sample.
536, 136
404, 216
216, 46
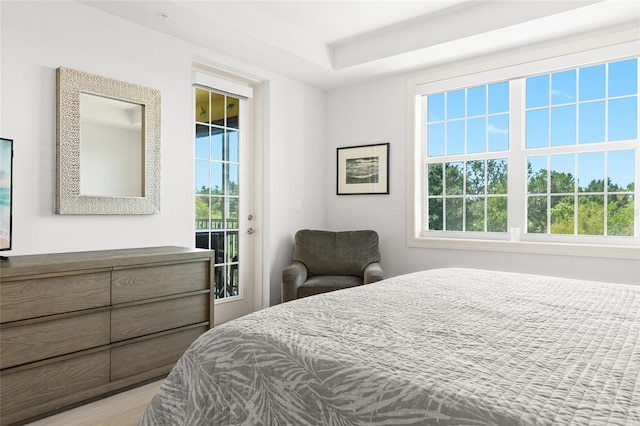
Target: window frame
516, 240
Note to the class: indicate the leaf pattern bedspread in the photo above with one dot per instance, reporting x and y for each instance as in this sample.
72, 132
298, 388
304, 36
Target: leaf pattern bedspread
445, 346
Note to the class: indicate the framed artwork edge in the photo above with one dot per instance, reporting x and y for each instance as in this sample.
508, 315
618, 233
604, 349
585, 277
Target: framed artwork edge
6, 195
363, 169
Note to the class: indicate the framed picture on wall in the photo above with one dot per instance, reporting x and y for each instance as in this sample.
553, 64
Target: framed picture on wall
363, 169
6, 192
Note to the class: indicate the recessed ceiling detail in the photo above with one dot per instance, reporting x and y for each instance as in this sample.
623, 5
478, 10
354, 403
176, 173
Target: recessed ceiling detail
333, 43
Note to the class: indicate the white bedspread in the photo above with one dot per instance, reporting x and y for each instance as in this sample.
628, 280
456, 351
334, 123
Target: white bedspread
446, 347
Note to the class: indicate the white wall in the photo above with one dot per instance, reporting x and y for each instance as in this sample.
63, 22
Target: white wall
297, 172
38, 37
375, 112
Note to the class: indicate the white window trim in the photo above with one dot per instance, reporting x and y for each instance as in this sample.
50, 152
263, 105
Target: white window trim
218, 84
551, 245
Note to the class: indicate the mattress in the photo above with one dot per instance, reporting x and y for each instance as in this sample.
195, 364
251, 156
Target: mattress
445, 346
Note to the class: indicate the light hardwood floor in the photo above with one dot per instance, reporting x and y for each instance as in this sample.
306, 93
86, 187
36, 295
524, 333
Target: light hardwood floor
123, 409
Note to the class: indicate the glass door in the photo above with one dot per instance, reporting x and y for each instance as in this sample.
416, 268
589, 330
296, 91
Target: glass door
225, 198
217, 186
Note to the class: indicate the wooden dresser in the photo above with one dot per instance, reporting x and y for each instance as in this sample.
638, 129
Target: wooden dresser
75, 326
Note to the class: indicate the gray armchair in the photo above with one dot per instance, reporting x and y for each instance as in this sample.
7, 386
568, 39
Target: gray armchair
325, 261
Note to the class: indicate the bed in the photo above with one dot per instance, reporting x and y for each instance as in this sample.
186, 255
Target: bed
445, 346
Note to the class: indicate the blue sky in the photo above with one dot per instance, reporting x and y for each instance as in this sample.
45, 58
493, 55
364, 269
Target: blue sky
586, 105
210, 152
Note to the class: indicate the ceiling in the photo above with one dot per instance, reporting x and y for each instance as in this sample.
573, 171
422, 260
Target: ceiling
329, 44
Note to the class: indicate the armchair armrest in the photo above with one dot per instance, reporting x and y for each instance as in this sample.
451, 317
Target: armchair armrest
292, 277
373, 273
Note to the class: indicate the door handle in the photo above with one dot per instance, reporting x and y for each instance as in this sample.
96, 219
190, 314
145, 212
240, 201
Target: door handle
250, 231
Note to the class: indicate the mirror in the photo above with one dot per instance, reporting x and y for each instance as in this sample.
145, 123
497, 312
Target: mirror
108, 146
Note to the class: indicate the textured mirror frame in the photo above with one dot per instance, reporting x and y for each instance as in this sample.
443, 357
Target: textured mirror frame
69, 200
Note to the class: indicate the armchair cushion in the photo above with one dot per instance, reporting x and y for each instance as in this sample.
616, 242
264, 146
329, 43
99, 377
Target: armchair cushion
325, 283
336, 253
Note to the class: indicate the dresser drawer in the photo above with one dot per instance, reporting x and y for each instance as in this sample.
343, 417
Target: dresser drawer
133, 284
27, 392
143, 355
139, 320
38, 297
35, 341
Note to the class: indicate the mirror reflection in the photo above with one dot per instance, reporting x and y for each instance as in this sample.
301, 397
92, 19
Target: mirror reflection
111, 147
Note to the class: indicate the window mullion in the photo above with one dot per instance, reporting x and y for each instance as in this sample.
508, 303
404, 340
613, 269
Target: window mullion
516, 160
424, 207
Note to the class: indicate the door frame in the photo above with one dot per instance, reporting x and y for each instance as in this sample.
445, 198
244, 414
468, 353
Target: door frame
254, 293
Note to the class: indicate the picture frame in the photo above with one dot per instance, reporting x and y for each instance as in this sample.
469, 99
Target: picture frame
363, 169
6, 194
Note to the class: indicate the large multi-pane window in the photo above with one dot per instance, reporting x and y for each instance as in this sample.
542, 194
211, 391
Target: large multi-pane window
589, 189
467, 135
217, 184
537, 155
